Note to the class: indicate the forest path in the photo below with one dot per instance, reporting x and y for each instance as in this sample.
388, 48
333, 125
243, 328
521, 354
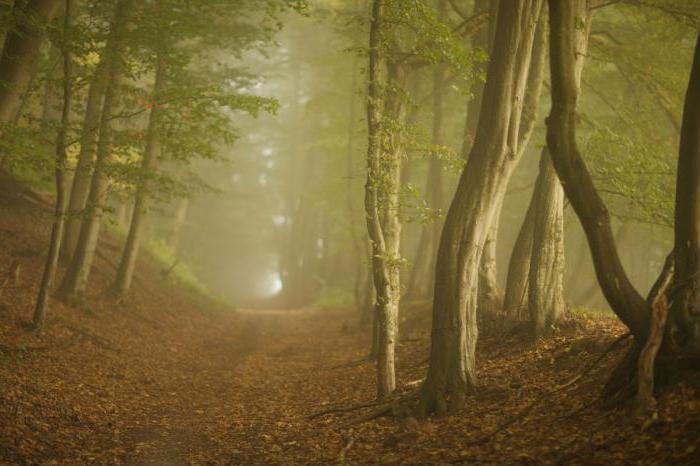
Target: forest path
240, 397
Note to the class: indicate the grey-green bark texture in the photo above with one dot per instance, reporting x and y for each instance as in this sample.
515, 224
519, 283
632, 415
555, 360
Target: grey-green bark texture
452, 372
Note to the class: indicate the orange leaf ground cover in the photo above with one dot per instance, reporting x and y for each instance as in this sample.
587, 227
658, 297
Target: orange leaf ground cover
167, 377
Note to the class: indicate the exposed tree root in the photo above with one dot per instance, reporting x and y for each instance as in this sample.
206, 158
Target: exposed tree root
524, 412
393, 405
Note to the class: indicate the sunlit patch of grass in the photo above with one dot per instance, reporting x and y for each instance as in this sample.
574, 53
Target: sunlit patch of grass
181, 272
165, 259
591, 311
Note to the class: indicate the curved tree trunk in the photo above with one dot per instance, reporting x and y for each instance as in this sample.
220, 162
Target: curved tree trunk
565, 33
686, 303
75, 282
125, 272
80, 188
20, 52
451, 373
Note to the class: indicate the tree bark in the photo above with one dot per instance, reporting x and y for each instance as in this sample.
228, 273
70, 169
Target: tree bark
42, 303
546, 275
80, 188
149, 162
20, 51
75, 282
452, 373
624, 299
686, 302
421, 279
381, 200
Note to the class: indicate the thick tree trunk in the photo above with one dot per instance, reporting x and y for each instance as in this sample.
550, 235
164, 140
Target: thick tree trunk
83, 170
490, 295
149, 162
565, 32
546, 275
75, 282
686, 302
42, 302
20, 51
451, 372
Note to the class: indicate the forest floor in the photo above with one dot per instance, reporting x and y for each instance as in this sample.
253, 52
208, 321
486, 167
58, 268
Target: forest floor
167, 377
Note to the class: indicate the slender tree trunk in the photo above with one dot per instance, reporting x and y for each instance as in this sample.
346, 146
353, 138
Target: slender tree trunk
624, 299
149, 162
686, 302
421, 278
381, 205
42, 303
75, 282
355, 235
20, 52
83, 170
451, 372
178, 223
546, 275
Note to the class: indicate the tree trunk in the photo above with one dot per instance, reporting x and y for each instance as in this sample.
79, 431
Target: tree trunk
565, 33
546, 275
75, 282
149, 162
42, 303
686, 302
355, 235
516, 293
381, 202
20, 51
178, 223
451, 372
420, 282
83, 171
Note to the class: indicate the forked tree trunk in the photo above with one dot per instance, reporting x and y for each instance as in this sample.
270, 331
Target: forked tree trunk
75, 282
149, 162
578, 186
546, 275
452, 373
686, 303
490, 295
42, 303
20, 52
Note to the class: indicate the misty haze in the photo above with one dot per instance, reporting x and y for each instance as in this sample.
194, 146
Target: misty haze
397, 232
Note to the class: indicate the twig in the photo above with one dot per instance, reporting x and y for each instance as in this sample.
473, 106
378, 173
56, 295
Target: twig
346, 409
344, 450
547, 393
